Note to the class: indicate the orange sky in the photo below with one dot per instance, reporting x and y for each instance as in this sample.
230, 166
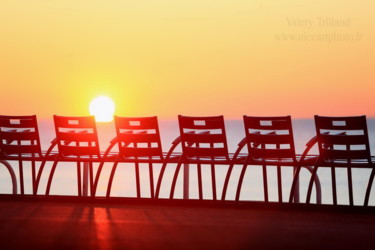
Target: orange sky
196, 57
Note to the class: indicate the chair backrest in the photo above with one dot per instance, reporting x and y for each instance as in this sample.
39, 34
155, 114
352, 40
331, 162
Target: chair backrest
203, 136
19, 136
138, 136
342, 138
76, 136
269, 137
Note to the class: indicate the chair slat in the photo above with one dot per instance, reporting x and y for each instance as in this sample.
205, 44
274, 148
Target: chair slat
190, 122
343, 139
81, 137
17, 121
341, 123
270, 138
271, 153
345, 154
136, 123
78, 150
202, 138
139, 152
74, 122
139, 138
20, 136
205, 152
20, 149
267, 123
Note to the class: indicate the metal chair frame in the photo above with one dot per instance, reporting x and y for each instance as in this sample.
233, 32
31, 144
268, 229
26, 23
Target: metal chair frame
20, 141
265, 139
82, 133
132, 134
335, 138
195, 133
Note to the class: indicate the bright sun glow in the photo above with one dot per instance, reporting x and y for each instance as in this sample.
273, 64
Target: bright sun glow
102, 108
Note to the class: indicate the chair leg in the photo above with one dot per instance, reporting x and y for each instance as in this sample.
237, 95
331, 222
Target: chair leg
369, 185
97, 175
51, 176
200, 189
213, 176
309, 190
334, 192
79, 184
350, 186
294, 184
20, 168
160, 178
279, 184
151, 173
138, 185
226, 182
91, 178
33, 175
265, 184
175, 179
111, 178
239, 186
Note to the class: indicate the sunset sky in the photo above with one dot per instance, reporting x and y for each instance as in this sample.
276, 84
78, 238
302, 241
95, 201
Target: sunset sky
196, 57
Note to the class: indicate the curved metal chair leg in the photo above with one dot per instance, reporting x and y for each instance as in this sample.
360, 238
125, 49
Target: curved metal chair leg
111, 178
239, 186
51, 176
369, 185
294, 183
308, 196
40, 171
175, 179
163, 167
100, 167
12, 175
161, 174
230, 168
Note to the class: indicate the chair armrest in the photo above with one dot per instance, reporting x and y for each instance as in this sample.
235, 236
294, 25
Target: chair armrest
312, 141
242, 142
177, 140
114, 140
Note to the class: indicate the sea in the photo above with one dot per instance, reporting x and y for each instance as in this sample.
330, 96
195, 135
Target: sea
65, 178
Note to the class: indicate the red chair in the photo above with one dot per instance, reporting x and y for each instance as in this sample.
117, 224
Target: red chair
269, 142
138, 140
343, 143
77, 141
19, 141
203, 141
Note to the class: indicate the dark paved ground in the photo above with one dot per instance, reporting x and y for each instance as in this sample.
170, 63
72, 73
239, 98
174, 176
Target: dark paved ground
67, 224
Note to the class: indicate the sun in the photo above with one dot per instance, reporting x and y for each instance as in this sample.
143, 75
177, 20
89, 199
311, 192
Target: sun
103, 108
